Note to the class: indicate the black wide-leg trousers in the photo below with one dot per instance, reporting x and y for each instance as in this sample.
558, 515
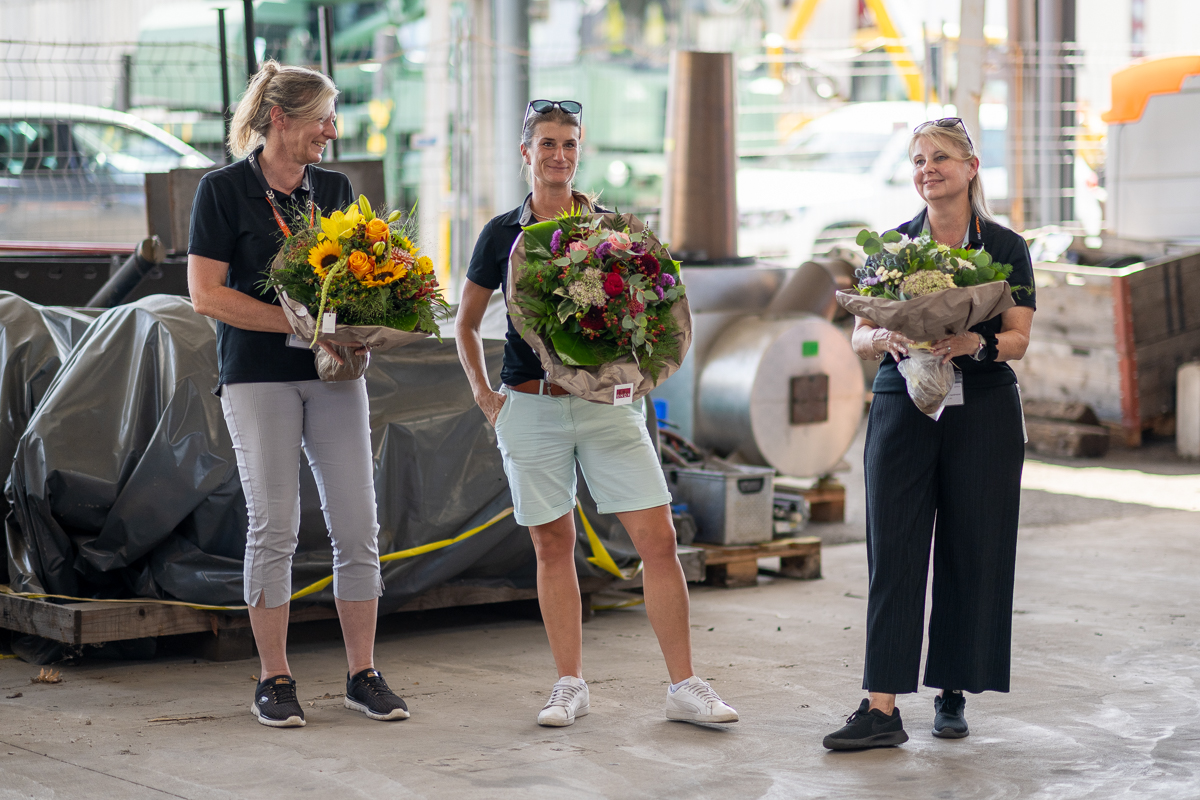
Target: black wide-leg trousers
955, 482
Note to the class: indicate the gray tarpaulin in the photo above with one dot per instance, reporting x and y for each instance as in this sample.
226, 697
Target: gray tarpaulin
124, 482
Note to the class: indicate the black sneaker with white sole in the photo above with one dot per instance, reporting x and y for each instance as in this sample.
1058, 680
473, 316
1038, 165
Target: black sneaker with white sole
368, 692
949, 721
275, 704
868, 727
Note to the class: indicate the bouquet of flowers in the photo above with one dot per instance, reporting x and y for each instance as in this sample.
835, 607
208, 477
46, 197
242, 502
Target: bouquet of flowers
926, 291
354, 276
600, 300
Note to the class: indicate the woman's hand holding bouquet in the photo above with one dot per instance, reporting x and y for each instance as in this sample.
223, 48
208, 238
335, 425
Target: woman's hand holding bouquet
928, 293
356, 278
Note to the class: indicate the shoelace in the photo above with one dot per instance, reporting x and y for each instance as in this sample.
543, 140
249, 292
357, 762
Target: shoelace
703, 691
376, 685
283, 692
563, 694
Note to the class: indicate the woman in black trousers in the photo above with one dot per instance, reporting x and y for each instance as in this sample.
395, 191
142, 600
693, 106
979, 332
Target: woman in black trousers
954, 482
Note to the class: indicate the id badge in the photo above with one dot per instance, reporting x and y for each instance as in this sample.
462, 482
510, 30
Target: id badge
955, 396
298, 342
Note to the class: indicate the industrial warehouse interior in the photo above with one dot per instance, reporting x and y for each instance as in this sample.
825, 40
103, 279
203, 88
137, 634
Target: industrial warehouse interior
827, 370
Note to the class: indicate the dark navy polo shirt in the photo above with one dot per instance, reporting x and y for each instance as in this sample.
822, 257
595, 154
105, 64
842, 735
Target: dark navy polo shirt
1005, 247
489, 269
232, 222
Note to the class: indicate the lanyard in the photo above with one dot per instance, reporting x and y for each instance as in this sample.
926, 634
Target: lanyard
252, 160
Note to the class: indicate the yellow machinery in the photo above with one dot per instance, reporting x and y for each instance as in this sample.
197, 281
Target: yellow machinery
893, 43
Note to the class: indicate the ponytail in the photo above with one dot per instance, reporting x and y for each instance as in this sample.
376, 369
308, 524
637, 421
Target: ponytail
299, 92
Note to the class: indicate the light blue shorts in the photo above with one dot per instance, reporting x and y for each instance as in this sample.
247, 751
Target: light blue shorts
541, 437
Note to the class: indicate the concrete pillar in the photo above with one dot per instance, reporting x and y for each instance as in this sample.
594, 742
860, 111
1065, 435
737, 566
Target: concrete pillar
433, 220
510, 22
1187, 410
972, 48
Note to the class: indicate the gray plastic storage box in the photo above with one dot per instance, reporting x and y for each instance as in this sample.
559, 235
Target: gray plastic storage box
732, 504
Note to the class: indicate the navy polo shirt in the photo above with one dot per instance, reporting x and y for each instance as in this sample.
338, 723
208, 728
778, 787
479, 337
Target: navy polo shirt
489, 269
1005, 247
232, 222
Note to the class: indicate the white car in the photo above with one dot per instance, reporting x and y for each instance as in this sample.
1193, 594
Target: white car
845, 171
74, 173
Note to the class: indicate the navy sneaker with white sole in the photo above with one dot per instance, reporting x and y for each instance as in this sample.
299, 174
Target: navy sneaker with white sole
275, 704
368, 692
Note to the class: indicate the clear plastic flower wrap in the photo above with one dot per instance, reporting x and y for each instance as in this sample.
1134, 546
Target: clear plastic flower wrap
927, 378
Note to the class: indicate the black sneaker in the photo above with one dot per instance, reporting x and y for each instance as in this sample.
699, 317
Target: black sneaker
275, 703
368, 692
868, 727
948, 720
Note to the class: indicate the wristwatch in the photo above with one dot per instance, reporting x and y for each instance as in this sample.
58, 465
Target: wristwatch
981, 352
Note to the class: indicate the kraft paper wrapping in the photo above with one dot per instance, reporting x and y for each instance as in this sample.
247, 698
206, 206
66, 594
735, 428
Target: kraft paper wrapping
934, 316
596, 384
375, 337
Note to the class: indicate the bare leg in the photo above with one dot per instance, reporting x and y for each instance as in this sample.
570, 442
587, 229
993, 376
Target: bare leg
664, 585
884, 702
558, 592
270, 627
358, 630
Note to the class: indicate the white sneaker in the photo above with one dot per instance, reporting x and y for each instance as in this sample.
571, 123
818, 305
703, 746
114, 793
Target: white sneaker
568, 700
696, 701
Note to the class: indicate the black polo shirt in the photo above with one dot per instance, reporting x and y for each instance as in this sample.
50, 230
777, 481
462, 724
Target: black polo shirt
1004, 246
489, 269
232, 222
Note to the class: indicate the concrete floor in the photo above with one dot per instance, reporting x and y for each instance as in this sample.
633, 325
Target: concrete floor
1104, 700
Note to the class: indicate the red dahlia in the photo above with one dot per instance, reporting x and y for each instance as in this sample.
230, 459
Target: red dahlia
614, 284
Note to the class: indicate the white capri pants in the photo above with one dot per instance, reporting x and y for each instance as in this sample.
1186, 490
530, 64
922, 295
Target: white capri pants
269, 424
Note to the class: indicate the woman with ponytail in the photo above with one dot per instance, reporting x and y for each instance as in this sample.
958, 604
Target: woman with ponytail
958, 476
273, 401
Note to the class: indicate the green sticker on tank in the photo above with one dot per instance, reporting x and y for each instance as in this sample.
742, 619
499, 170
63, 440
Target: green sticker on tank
810, 349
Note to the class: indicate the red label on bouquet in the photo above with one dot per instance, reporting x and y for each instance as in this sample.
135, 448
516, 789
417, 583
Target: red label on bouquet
622, 394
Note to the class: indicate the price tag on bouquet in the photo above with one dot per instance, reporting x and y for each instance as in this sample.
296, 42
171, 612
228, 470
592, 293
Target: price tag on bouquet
329, 322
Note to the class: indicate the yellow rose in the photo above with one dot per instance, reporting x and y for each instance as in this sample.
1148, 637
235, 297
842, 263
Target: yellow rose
425, 265
360, 264
377, 230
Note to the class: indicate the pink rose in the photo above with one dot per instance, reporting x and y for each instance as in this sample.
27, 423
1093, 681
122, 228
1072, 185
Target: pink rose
573, 246
619, 240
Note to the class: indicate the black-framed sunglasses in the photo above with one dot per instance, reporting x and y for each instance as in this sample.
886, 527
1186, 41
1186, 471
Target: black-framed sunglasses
542, 106
947, 122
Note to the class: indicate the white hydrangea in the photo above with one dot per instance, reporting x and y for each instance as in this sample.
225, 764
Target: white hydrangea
588, 289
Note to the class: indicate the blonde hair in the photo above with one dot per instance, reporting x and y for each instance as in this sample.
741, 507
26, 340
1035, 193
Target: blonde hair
529, 131
301, 93
955, 142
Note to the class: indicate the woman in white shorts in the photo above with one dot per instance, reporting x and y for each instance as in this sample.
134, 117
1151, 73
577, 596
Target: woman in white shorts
543, 431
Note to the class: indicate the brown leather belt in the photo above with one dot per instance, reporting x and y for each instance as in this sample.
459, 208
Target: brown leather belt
539, 387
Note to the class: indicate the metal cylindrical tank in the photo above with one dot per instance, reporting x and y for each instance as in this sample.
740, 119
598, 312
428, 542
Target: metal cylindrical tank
699, 215
782, 392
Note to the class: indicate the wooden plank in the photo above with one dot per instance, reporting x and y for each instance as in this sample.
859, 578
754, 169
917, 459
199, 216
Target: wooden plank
1056, 438
727, 554
181, 193
38, 617
1131, 416
1081, 413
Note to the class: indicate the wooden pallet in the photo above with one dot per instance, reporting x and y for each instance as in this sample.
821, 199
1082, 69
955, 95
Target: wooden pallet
826, 500
737, 565
228, 633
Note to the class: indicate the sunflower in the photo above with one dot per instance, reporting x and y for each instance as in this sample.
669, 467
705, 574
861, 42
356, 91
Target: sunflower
382, 277
324, 256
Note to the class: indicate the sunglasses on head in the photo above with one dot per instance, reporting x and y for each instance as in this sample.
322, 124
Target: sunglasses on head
947, 122
542, 106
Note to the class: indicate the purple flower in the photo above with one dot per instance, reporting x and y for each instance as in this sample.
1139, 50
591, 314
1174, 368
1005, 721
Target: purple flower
603, 249
871, 281
556, 240
638, 249
667, 280
658, 291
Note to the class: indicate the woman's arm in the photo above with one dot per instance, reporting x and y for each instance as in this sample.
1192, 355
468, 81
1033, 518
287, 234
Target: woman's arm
212, 298
1013, 339
870, 342
470, 347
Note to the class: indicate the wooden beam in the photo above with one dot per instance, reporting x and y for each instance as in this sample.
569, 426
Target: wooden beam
1131, 415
